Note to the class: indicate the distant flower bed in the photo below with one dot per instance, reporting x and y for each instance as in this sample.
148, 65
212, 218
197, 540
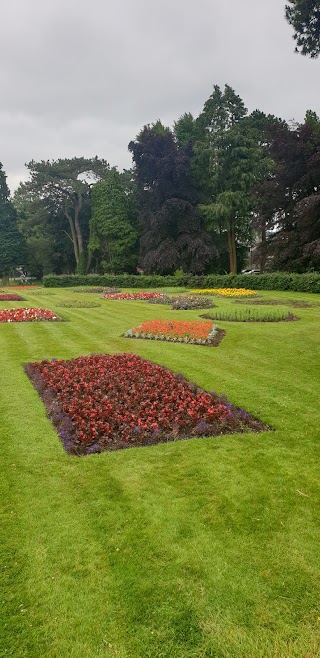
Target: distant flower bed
133, 295
294, 303
102, 402
10, 297
183, 303
250, 315
227, 292
24, 287
78, 303
177, 331
27, 315
98, 289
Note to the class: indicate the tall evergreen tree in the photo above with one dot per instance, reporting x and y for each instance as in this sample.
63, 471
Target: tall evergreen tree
304, 17
113, 236
12, 249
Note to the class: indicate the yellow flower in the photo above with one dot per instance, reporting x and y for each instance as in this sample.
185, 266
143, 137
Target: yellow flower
226, 292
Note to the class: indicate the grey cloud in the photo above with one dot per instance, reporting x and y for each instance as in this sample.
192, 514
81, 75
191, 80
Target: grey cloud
81, 78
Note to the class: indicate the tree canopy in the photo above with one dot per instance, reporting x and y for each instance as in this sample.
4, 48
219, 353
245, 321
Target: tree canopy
12, 248
304, 17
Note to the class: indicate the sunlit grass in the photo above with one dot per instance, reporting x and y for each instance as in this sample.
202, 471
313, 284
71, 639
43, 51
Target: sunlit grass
207, 548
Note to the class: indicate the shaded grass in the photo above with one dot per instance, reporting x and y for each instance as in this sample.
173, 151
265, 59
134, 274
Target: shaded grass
207, 548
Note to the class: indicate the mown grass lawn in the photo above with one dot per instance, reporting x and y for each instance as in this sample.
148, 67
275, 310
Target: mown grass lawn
208, 548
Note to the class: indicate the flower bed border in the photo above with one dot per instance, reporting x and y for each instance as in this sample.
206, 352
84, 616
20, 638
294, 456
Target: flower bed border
214, 342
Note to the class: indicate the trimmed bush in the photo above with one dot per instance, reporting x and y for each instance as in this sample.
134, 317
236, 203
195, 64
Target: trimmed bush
274, 281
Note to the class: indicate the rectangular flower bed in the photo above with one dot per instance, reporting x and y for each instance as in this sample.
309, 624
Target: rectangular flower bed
226, 292
27, 315
133, 295
10, 297
106, 402
178, 331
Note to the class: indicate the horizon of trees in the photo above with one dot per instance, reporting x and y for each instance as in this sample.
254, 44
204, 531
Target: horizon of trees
198, 198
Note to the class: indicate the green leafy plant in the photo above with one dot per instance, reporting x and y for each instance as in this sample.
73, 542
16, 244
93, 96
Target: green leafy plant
250, 315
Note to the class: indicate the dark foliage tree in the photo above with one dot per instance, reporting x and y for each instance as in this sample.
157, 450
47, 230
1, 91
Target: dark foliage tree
291, 196
304, 17
12, 248
172, 235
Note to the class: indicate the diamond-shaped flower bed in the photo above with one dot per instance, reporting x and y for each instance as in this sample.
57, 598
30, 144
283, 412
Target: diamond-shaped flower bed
133, 295
28, 315
178, 331
102, 402
10, 297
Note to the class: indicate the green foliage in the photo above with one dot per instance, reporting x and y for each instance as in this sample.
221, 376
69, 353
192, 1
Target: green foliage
304, 17
250, 315
113, 238
78, 303
63, 186
12, 247
275, 281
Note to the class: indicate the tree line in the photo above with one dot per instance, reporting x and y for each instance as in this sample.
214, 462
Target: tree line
197, 199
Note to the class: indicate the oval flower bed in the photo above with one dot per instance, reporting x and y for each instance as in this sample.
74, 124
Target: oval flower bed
134, 295
178, 331
183, 303
27, 315
226, 292
10, 297
102, 402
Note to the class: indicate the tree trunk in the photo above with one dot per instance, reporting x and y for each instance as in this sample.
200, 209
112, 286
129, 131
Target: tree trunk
5, 280
232, 248
263, 248
77, 209
73, 236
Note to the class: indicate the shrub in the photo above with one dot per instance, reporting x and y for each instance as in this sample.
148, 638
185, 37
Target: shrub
274, 281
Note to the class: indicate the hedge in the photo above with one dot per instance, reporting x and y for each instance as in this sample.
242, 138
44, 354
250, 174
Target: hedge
274, 281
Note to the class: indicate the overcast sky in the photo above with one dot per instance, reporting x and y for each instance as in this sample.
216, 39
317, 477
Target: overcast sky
81, 78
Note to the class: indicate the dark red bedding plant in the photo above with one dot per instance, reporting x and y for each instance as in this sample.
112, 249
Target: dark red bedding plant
27, 315
107, 402
10, 297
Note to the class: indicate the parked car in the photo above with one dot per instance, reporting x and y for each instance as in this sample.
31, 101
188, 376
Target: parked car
250, 272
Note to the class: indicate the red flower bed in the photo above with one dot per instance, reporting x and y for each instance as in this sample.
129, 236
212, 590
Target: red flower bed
202, 333
27, 315
24, 287
10, 297
102, 402
133, 295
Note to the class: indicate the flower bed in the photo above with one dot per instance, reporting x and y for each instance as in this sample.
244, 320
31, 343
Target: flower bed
134, 295
27, 315
10, 297
226, 292
24, 287
78, 303
103, 402
177, 331
183, 303
250, 315
98, 289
